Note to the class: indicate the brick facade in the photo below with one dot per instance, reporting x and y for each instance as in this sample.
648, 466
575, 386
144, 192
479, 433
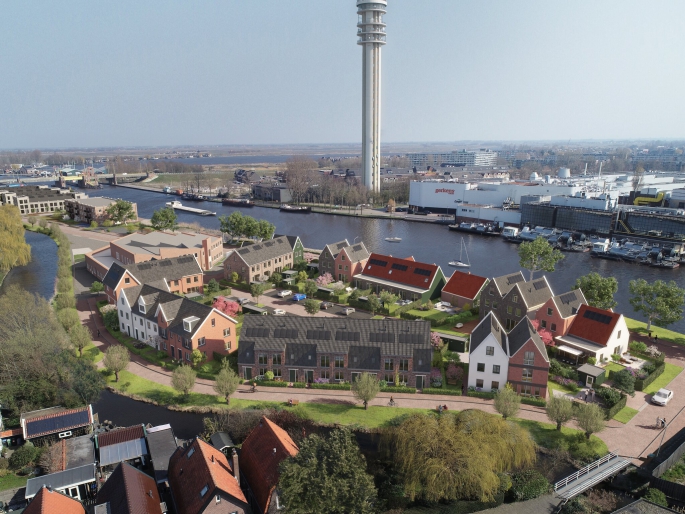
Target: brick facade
539, 368
216, 335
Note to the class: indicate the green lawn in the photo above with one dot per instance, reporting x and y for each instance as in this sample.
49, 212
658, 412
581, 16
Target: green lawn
664, 334
625, 414
664, 379
546, 434
447, 329
92, 353
613, 367
553, 386
351, 414
433, 314
11, 481
80, 257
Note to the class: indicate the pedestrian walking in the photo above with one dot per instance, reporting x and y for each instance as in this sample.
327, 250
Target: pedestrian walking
98, 332
656, 338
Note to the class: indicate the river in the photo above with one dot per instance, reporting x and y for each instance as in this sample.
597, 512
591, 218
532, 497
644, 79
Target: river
38, 276
489, 257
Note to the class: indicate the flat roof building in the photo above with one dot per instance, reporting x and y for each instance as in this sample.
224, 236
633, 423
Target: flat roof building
88, 210
38, 199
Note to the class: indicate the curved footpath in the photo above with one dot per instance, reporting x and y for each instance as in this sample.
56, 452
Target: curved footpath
636, 439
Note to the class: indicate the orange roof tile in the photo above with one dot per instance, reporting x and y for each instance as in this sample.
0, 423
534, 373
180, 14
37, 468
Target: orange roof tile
51, 502
265, 448
402, 271
592, 324
465, 285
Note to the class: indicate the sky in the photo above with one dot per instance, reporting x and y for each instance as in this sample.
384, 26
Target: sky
78, 73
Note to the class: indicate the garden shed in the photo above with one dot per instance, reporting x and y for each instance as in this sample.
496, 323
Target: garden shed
455, 343
591, 376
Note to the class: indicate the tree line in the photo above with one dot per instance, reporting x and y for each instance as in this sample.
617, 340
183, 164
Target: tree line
14, 251
237, 225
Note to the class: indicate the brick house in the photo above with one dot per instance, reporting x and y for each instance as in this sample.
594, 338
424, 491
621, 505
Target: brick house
557, 313
343, 261
139, 247
129, 490
48, 500
203, 481
404, 277
595, 333
303, 349
518, 358
87, 210
265, 447
174, 324
462, 289
511, 298
180, 275
257, 262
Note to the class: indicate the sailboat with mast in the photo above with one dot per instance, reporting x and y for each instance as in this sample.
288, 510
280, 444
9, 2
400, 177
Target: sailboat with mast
460, 262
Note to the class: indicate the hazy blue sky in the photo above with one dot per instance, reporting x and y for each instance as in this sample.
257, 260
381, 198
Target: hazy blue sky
85, 73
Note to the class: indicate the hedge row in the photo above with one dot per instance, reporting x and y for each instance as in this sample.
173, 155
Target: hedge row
641, 384
446, 392
398, 389
537, 402
481, 394
271, 383
610, 413
339, 387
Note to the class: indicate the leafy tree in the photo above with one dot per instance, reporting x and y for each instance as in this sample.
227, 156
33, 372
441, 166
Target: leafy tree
507, 402
276, 279
656, 496
528, 485
183, 379
559, 410
453, 457
164, 219
660, 302
233, 224
32, 220
116, 360
257, 290
87, 383
250, 226
355, 294
373, 302
212, 287
235, 277
387, 298
337, 484
301, 277
14, 251
196, 357
310, 288
590, 419
599, 291
324, 280
265, 230
97, 287
365, 388
68, 318
110, 318
624, 380
43, 223
24, 455
121, 211
228, 307
538, 255
226, 382
311, 306
80, 337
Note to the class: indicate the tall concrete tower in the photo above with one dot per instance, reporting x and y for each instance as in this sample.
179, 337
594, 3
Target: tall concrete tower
371, 32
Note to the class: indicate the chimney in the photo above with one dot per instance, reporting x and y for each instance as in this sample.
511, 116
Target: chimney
212, 458
236, 469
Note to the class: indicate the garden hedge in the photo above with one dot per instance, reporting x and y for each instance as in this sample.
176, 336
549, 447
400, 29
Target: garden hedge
537, 402
437, 390
481, 394
610, 413
339, 387
641, 384
398, 389
271, 383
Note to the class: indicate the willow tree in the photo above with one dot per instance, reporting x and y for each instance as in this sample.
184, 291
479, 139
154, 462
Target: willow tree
453, 457
14, 251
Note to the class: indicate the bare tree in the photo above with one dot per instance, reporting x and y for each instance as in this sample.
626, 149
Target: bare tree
299, 176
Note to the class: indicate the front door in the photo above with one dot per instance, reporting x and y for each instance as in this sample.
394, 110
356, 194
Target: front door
419, 382
293, 376
355, 376
137, 337
128, 329
173, 355
589, 381
248, 373
309, 376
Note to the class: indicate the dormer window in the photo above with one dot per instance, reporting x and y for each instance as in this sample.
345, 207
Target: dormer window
141, 306
189, 323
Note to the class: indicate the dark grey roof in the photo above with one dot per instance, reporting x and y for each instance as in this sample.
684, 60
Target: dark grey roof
521, 334
264, 251
61, 479
162, 445
80, 451
152, 297
154, 271
292, 240
591, 370
120, 452
505, 283
642, 506
488, 325
221, 440
301, 337
569, 303
364, 357
422, 359
334, 248
536, 292
357, 252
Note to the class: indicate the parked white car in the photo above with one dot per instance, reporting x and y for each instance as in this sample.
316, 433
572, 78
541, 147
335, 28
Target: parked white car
285, 293
662, 397
348, 310
279, 312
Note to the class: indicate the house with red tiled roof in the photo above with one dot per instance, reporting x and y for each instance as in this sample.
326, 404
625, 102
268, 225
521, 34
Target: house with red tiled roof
202, 480
266, 446
410, 280
463, 288
122, 445
595, 333
48, 501
129, 491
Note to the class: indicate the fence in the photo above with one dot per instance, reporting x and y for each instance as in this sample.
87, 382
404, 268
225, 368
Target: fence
670, 489
640, 384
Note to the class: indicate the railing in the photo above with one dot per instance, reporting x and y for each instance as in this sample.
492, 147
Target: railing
584, 471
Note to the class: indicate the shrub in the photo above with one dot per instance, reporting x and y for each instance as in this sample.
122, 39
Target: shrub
527, 485
591, 360
610, 396
110, 317
107, 223
656, 496
615, 357
566, 382
23, 456
563, 370
624, 380
269, 375
93, 224
649, 368
65, 301
436, 377
4, 463
638, 346
212, 287
454, 372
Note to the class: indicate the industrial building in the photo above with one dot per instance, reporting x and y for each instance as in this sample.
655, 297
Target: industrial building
482, 157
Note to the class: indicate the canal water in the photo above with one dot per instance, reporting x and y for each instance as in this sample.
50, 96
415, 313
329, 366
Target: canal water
38, 276
489, 256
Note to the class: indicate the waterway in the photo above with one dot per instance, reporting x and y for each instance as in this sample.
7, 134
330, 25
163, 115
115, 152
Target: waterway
38, 276
489, 256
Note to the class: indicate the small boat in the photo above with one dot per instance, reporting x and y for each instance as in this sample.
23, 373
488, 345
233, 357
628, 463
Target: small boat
295, 208
394, 239
175, 204
460, 263
665, 264
238, 202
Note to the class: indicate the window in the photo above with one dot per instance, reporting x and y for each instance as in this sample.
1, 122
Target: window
141, 322
277, 372
389, 365
549, 311
404, 364
479, 383
342, 257
527, 375
127, 280
218, 499
195, 279
487, 302
510, 309
495, 369
515, 299
339, 266
339, 375
389, 378
127, 315
491, 293
618, 336
227, 332
262, 371
553, 327
489, 350
121, 313
529, 358
213, 322
276, 359
204, 491
201, 341
526, 390
494, 386
494, 304
141, 307
262, 358
339, 361
510, 323
518, 312
325, 361
481, 366
188, 280
326, 374
543, 323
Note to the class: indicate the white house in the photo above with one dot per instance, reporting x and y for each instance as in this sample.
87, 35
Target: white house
138, 319
488, 355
